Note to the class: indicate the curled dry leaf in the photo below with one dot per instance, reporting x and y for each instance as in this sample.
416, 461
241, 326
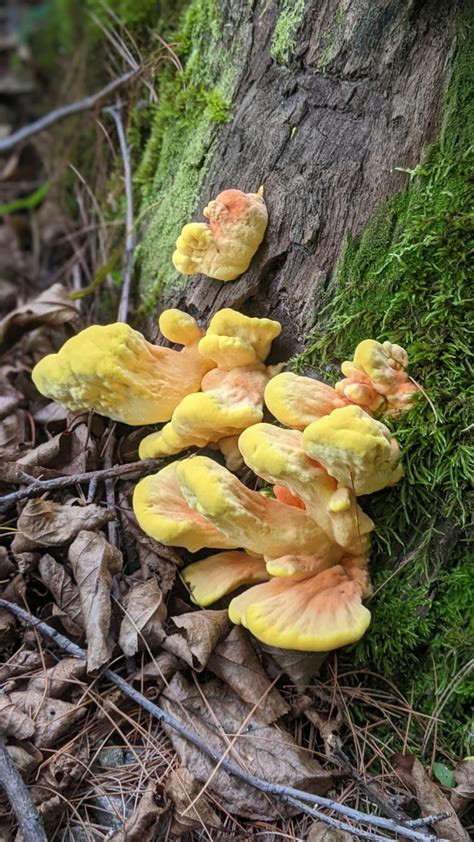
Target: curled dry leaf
320, 832
301, 667
52, 307
21, 663
142, 825
151, 554
26, 757
44, 523
60, 771
58, 681
49, 453
182, 789
198, 634
463, 794
7, 566
65, 593
14, 721
235, 662
264, 750
94, 563
52, 718
144, 616
429, 796
7, 624
154, 675
13, 432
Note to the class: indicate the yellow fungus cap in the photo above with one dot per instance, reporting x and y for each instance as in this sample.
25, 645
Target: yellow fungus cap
377, 378
297, 567
220, 574
162, 513
297, 401
252, 521
223, 248
318, 614
114, 371
277, 455
235, 340
179, 327
354, 448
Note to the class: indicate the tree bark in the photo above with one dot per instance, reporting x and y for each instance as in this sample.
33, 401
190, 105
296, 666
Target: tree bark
328, 136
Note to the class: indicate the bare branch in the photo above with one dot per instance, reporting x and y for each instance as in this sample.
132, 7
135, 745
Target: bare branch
22, 804
65, 111
286, 793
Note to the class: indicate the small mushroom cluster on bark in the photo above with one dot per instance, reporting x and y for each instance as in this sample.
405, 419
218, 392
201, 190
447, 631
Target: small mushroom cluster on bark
304, 549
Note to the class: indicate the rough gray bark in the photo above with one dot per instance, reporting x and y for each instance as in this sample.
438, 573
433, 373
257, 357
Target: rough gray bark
361, 97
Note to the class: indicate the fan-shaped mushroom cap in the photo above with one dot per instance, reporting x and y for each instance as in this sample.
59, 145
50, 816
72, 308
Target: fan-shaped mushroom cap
317, 614
377, 377
234, 340
114, 371
297, 401
255, 522
276, 455
163, 513
223, 248
297, 567
220, 574
230, 402
179, 327
356, 450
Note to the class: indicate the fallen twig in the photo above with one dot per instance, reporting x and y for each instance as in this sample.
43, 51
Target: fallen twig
286, 793
65, 111
22, 804
37, 487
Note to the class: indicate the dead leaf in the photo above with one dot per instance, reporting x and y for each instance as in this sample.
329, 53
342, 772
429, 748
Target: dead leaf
26, 562
300, 667
144, 616
59, 680
199, 633
65, 593
150, 553
60, 772
7, 624
13, 432
44, 523
26, 757
94, 563
155, 674
21, 663
52, 307
13, 721
182, 789
429, 796
142, 825
463, 794
235, 662
53, 718
264, 750
321, 832
7, 566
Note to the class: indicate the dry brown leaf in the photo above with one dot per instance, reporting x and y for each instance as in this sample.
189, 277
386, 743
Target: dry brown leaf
50, 452
142, 825
264, 750
60, 772
7, 624
150, 553
7, 566
52, 307
26, 757
44, 523
21, 663
198, 634
299, 666
52, 718
321, 832
13, 432
59, 680
463, 794
26, 562
94, 563
65, 593
429, 796
13, 720
144, 616
235, 662
154, 675
15, 591
182, 789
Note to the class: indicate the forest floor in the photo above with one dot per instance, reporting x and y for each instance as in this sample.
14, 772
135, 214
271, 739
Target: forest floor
380, 728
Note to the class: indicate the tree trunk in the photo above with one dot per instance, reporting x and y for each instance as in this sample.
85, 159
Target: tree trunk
329, 136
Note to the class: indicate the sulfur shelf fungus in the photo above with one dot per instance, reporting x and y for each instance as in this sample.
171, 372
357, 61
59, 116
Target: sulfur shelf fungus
358, 451
317, 614
114, 371
377, 378
224, 247
163, 513
220, 574
256, 523
297, 401
277, 455
232, 394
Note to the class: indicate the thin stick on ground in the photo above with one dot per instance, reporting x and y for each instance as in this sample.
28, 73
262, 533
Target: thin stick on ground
65, 111
116, 113
286, 793
22, 804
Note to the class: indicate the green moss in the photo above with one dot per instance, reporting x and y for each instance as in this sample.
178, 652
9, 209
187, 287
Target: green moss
284, 35
408, 279
192, 104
